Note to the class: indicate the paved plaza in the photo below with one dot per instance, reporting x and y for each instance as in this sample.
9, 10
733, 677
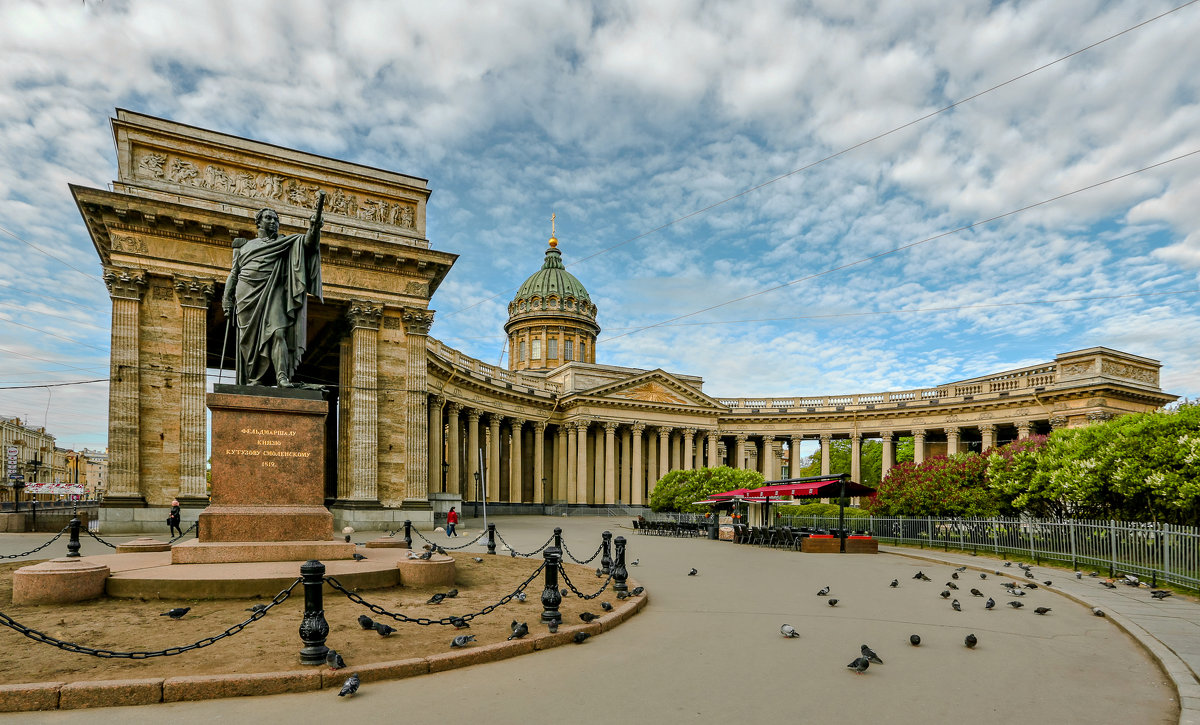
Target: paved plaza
708, 647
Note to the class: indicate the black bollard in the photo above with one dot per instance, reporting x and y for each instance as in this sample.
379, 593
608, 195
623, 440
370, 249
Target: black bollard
73, 544
605, 554
550, 596
491, 538
408, 533
619, 573
313, 628
558, 538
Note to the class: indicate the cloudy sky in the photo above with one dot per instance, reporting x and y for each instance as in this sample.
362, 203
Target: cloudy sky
684, 148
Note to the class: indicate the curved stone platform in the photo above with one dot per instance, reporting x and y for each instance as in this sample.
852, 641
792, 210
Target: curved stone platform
436, 571
142, 545
59, 581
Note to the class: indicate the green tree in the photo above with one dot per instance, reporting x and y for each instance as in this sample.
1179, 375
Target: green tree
940, 486
677, 490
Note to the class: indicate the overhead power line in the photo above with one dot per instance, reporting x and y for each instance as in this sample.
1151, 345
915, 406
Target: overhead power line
64, 262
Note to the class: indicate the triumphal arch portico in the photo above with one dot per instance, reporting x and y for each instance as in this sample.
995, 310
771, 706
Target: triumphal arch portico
415, 426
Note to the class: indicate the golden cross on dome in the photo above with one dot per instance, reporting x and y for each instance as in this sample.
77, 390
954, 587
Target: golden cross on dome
553, 233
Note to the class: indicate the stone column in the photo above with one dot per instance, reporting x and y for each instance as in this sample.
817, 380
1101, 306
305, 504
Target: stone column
625, 481
689, 450
610, 463
739, 451
856, 457
825, 462
889, 452
434, 405
194, 295
637, 484
539, 462
416, 332
364, 407
453, 476
1023, 429
713, 460
664, 451
918, 446
572, 462
472, 482
596, 484
516, 468
952, 436
651, 462
126, 287
794, 456
581, 464
493, 467
345, 481
988, 432
560, 464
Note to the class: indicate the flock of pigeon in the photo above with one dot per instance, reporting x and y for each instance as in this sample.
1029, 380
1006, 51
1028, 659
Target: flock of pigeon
1128, 580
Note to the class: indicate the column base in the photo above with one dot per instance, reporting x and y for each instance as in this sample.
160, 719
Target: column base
192, 502
126, 501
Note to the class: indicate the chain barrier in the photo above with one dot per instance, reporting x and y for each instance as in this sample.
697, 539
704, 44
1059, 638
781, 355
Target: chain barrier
195, 526
585, 561
141, 655
581, 595
425, 621
34, 551
450, 548
532, 553
102, 541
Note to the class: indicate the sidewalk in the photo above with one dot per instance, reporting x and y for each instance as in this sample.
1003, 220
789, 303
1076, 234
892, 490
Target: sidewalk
1169, 629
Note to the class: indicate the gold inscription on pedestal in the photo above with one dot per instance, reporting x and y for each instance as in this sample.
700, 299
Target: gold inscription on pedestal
268, 445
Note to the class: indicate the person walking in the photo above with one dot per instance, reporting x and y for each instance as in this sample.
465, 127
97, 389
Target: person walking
451, 522
173, 519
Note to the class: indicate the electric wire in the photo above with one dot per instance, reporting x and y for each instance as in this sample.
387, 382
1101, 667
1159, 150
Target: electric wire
64, 262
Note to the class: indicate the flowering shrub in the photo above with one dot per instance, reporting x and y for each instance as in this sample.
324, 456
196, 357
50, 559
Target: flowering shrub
940, 486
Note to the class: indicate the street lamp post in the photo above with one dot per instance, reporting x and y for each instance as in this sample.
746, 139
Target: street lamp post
445, 473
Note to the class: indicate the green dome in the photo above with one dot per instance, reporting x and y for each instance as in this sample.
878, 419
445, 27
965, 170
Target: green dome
552, 280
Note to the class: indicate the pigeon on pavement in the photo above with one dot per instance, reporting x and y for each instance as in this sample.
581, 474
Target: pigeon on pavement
895, 583
257, 608
1015, 604
970, 641
587, 616
954, 575
637, 591
334, 660
581, 637
961, 568
976, 593
520, 596
990, 603
623, 595
564, 592
957, 607
462, 640
1017, 593
860, 665
1109, 584
176, 613
477, 559
832, 602
452, 594
1160, 593
426, 556
383, 629
921, 575
870, 655
1078, 575
436, 598
693, 572
952, 585
460, 623
519, 630
1041, 610
1098, 611
553, 627
606, 606
358, 556
824, 591
914, 639
945, 594
349, 687
599, 572
635, 562
788, 630
1030, 585
982, 575
366, 622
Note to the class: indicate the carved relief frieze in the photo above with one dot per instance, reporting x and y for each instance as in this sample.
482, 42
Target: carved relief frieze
1078, 369
128, 244
1130, 372
267, 187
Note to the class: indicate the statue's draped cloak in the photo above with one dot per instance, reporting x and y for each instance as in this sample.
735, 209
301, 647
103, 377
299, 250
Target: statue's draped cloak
274, 278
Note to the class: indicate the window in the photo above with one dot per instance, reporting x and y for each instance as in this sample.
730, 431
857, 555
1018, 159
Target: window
521, 351
552, 348
583, 352
568, 346
536, 348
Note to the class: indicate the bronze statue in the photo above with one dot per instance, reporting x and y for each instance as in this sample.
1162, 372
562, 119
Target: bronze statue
267, 295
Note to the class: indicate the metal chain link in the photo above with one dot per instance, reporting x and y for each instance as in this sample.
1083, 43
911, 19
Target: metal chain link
141, 655
425, 621
451, 548
195, 525
102, 541
532, 553
585, 561
581, 595
33, 551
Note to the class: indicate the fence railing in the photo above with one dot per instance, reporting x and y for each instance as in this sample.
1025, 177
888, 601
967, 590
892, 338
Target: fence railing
1161, 553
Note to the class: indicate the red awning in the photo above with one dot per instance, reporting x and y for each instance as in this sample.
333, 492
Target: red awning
730, 494
810, 489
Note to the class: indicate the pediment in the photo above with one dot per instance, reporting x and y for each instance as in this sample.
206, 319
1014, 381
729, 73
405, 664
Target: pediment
657, 387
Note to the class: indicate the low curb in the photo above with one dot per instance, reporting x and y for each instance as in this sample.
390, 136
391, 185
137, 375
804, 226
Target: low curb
33, 696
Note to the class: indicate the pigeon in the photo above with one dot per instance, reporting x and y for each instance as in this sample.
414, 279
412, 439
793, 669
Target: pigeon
637, 591
519, 630
256, 608
1030, 585
1131, 580
581, 637
477, 559
564, 592
895, 583
366, 622
1008, 563
952, 585
520, 596
832, 602
860, 665
823, 592
460, 623
1009, 585
349, 687
1093, 573
693, 572
358, 556
623, 595
606, 606
957, 607
1041, 610
599, 572
176, 613
961, 568
440, 550
954, 575
426, 556
1024, 567
436, 598
945, 594
870, 655
512, 553
1098, 611
1160, 593
982, 575
1016, 604
553, 627
1029, 575
1078, 575
383, 629
989, 603
452, 594
788, 630
976, 593
462, 640
587, 616
970, 641
334, 660
1109, 584
914, 640
1016, 592
635, 562
921, 575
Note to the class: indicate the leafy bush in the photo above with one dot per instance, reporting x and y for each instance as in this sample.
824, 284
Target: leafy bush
940, 486
678, 489
819, 509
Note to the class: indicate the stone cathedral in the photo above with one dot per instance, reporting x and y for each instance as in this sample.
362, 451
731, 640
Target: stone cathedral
414, 426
